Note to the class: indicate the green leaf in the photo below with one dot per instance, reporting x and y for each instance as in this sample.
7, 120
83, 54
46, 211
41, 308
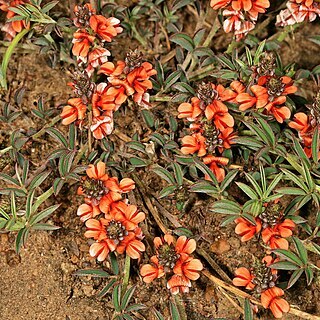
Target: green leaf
291, 191
136, 307
148, 118
158, 315
203, 187
309, 275
258, 53
138, 162
226, 207
29, 204
47, 7
58, 135
228, 179
248, 314
248, 142
291, 257
273, 184
178, 173
296, 274
114, 263
167, 191
183, 87
181, 231
284, 265
257, 188
116, 297
172, 79
38, 179
247, 190
97, 273
5, 177
106, 288
58, 184
43, 214
302, 252
206, 170
138, 146
163, 173
315, 145
183, 40
158, 138
295, 179
174, 311
7, 56
45, 227
21, 238
127, 297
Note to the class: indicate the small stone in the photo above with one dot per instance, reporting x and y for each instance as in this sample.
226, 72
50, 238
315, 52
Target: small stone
220, 246
74, 259
88, 290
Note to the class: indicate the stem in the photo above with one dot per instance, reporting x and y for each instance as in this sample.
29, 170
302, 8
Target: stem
138, 36
89, 132
180, 306
201, 73
7, 56
212, 32
3, 151
126, 274
43, 130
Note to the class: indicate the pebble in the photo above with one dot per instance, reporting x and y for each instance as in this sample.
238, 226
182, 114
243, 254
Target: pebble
220, 246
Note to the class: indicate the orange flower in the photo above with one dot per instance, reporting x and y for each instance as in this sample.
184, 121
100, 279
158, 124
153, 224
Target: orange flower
131, 245
96, 58
243, 278
81, 43
87, 211
246, 229
190, 110
102, 125
75, 110
227, 135
178, 284
301, 122
124, 186
219, 112
149, 272
96, 229
230, 95
193, 144
128, 215
105, 28
274, 237
278, 86
259, 100
270, 299
217, 4
213, 162
99, 250
280, 113
138, 78
188, 268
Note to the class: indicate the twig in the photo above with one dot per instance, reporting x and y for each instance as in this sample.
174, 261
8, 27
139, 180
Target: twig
231, 300
242, 294
167, 214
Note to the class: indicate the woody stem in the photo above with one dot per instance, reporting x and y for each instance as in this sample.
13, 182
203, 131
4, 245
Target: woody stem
126, 274
89, 132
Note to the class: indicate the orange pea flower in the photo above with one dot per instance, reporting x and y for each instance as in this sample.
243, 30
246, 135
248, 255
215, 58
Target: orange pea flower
243, 278
280, 113
301, 123
96, 229
105, 28
259, 100
87, 211
75, 110
230, 95
102, 125
132, 246
193, 144
219, 112
213, 163
82, 42
227, 135
178, 284
190, 110
153, 271
246, 229
270, 299
174, 259
138, 78
96, 58
274, 236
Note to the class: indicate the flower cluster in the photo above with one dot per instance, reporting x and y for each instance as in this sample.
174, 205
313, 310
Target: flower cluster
273, 226
11, 28
307, 124
262, 279
240, 15
298, 11
175, 260
211, 125
118, 230
115, 81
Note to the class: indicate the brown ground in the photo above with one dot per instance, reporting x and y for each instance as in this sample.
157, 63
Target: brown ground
39, 284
